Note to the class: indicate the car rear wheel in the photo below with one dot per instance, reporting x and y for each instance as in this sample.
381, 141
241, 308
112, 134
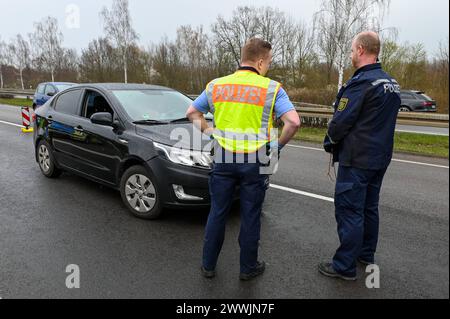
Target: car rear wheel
405, 109
46, 160
139, 193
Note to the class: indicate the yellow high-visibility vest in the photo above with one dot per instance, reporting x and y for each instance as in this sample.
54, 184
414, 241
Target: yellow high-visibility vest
242, 104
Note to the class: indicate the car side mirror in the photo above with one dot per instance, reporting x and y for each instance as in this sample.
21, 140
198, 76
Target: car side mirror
51, 94
102, 118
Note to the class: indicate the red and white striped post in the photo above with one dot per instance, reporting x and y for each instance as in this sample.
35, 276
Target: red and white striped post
26, 120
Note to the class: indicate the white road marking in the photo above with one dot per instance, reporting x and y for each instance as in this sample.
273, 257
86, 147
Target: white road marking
420, 163
298, 192
394, 160
422, 132
9, 123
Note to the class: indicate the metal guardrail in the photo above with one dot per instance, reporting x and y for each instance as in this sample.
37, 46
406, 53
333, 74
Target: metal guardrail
29, 94
318, 111
406, 118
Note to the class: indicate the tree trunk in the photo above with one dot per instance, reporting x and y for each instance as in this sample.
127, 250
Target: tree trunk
1, 78
53, 75
341, 76
21, 79
125, 68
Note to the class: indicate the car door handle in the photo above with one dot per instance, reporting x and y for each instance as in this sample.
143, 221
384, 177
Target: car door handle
123, 141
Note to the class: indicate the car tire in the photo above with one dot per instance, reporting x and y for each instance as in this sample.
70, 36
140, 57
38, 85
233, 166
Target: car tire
139, 193
404, 108
46, 160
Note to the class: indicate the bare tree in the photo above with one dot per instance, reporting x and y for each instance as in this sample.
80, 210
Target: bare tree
47, 39
2, 60
231, 35
296, 50
20, 55
338, 22
118, 28
443, 51
192, 45
270, 21
98, 62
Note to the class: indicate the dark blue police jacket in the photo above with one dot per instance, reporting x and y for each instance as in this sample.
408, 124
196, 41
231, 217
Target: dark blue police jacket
363, 124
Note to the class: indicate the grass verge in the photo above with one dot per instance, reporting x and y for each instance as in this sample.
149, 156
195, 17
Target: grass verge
17, 102
411, 143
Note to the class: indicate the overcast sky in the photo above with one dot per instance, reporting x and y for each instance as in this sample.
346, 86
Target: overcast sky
425, 21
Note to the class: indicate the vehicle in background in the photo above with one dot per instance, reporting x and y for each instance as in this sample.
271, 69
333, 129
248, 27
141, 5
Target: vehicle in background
45, 91
416, 101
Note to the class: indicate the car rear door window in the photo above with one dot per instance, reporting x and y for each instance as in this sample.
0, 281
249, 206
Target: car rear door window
407, 96
69, 102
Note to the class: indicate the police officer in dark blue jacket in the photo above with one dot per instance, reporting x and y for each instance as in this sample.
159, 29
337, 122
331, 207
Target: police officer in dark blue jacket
361, 138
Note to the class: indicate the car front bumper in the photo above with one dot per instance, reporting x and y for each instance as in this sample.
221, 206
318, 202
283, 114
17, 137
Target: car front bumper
193, 182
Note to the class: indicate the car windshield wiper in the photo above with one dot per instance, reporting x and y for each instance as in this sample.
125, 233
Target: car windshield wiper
184, 119
150, 122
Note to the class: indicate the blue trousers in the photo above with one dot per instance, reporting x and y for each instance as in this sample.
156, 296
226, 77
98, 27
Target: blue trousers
222, 184
356, 201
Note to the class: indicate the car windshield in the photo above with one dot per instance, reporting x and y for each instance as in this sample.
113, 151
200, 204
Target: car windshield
154, 105
62, 87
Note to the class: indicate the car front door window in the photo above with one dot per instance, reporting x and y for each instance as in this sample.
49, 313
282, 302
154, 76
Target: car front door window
50, 90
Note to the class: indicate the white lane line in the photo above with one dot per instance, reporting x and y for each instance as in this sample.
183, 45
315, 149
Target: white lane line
420, 163
295, 191
422, 132
12, 124
394, 160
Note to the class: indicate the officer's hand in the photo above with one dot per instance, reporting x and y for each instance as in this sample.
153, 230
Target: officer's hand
209, 132
276, 147
327, 145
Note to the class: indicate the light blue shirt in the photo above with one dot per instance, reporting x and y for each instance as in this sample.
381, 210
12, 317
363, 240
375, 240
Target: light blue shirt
282, 103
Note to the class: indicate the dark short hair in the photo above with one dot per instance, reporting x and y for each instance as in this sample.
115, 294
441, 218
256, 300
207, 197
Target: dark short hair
370, 42
255, 49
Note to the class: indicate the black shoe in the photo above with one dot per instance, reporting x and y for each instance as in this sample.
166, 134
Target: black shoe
327, 269
208, 273
366, 263
259, 270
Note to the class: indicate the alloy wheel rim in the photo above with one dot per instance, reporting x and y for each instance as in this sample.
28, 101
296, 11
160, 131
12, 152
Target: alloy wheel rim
140, 193
44, 158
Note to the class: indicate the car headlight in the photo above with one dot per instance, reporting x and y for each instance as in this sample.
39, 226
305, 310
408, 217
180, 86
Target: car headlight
186, 157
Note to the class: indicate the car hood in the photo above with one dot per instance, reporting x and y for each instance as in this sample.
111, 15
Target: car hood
180, 135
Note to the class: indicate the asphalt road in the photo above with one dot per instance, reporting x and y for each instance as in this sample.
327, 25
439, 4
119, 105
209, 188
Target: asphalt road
49, 224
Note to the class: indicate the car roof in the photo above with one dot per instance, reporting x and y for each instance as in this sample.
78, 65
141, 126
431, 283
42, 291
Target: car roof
124, 86
413, 91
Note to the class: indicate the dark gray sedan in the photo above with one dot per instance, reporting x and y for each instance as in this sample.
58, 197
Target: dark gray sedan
127, 137
417, 101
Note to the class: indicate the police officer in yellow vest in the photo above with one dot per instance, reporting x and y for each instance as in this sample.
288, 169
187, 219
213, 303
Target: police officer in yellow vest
244, 105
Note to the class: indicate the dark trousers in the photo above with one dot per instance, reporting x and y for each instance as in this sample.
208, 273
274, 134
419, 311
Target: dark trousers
222, 184
356, 201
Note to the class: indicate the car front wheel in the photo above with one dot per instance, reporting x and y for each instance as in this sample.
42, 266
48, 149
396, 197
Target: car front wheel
139, 193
